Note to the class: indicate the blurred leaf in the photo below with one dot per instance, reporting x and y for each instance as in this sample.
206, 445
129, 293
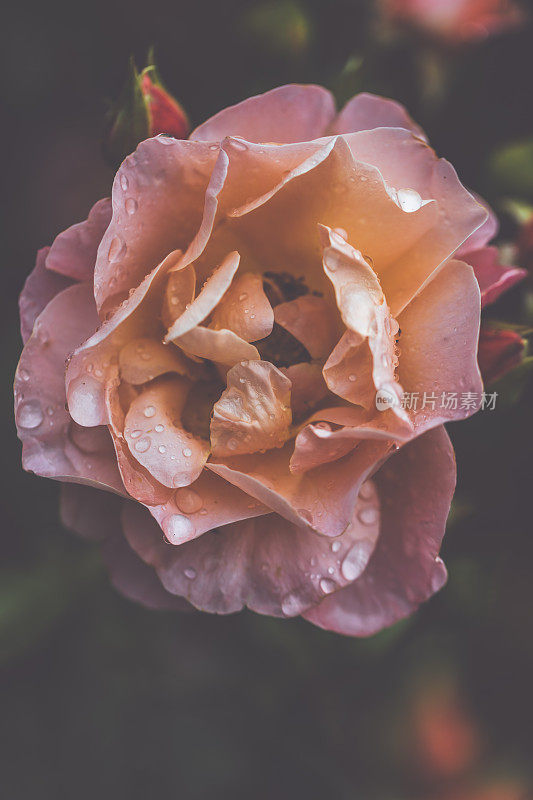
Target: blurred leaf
512, 386
511, 168
280, 27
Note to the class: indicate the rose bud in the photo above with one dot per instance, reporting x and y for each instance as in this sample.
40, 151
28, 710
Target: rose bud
145, 109
500, 350
221, 354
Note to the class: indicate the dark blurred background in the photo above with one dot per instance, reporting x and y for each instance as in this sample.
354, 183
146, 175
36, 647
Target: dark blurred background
101, 698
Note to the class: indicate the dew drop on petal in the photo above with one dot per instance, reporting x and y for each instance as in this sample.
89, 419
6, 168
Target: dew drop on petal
409, 200
327, 585
159, 428
162, 449
149, 411
116, 249
131, 206
187, 452
293, 604
190, 573
30, 414
124, 182
335, 547
354, 562
142, 445
368, 515
178, 528
135, 434
188, 500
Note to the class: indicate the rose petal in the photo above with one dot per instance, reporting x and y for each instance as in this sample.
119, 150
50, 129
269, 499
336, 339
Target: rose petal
499, 351
323, 499
317, 443
210, 295
156, 438
222, 347
415, 487
73, 252
44, 426
142, 360
39, 288
245, 309
440, 329
308, 388
494, 278
163, 184
266, 564
348, 371
254, 412
483, 235
291, 113
89, 512
311, 320
179, 293
365, 112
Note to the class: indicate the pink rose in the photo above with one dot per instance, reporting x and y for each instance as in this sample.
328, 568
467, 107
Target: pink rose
454, 21
223, 348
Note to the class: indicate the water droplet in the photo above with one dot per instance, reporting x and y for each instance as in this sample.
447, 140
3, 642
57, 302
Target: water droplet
165, 139
335, 547
135, 434
233, 444
124, 182
366, 491
187, 452
178, 529
162, 449
149, 411
331, 570
24, 374
368, 515
327, 585
30, 414
86, 401
190, 573
354, 562
142, 445
243, 296
130, 206
292, 604
159, 428
352, 378
117, 248
409, 200
188, 500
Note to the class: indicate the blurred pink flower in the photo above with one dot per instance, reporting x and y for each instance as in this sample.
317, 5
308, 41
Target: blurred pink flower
454, 21
238, 325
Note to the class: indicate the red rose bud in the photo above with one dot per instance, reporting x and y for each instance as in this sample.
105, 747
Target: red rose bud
499, 351
164, 112
144, 109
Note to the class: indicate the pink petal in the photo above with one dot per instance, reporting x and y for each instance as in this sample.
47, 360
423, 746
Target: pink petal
364, 112
245, 309
292, 113
348, 371
163, 184
438, 344
319, 443
266, 563
364, 311
50, 445
415, 487
73, 252
93, 365
308, 388
208, 503
254, 412
179, 293
156, 438
92, 514
323, 499
457, 215
210, 295
483, 235
142, 360
311, 320
494, 278
222, 347
40, 287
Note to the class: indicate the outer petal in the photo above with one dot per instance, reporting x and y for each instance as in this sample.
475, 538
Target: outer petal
493, 277
40, 287
254, 412
51, 445
311, 320
323, 499
292, 113
266, 564
245, 309
364, 112
418, 169
73, 252
308, 388
484, 234
415, 487
89, 512
156, 437
163, 184
440, 330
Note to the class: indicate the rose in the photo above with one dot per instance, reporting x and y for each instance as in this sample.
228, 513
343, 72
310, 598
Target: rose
454, 21
228, 322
